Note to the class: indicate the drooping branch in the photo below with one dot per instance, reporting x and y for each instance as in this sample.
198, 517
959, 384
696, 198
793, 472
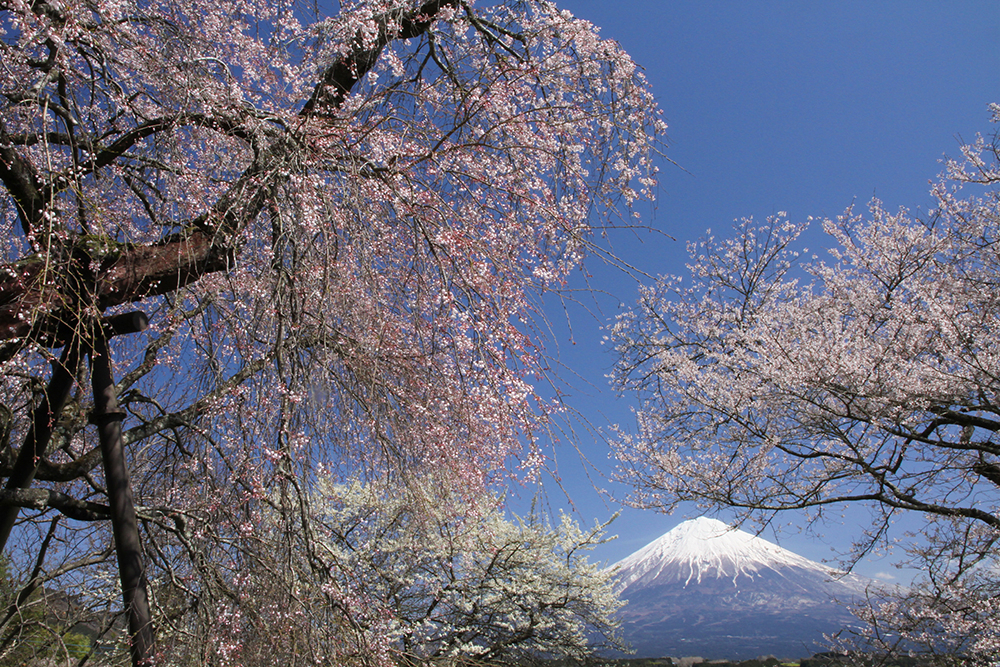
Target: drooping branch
33, 304
68, 471
23, 184
397, 378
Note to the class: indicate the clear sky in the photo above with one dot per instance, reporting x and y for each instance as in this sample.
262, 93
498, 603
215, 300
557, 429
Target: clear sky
802, 107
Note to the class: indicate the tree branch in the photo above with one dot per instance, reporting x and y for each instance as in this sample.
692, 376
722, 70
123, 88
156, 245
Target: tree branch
22, 182
339, 78
32, 306
41, 499
120, 145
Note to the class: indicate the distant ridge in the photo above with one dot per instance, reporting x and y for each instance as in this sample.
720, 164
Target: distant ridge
710, 590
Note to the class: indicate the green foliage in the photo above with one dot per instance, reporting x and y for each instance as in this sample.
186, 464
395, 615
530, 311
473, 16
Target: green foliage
29, 630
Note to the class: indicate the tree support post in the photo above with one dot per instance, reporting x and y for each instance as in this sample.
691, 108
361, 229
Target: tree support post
125, 525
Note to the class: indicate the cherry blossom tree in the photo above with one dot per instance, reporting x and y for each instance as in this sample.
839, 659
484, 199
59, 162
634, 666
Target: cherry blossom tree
301, 240
773, 379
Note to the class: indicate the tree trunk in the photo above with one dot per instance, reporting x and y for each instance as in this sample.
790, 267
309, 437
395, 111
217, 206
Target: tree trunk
40, 431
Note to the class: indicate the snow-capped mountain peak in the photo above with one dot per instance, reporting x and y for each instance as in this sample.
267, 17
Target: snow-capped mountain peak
707, 548
710, 590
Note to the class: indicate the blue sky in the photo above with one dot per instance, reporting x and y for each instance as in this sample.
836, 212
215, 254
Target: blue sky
802, 107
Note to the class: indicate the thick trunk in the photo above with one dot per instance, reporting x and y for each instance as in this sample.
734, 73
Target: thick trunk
32, 303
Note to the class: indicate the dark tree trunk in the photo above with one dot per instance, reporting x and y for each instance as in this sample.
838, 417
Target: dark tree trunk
40, 431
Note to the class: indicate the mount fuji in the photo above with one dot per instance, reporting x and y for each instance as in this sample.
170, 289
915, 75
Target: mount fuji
705, 589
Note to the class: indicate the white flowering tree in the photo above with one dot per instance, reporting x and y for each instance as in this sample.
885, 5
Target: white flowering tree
423, 577
775, 380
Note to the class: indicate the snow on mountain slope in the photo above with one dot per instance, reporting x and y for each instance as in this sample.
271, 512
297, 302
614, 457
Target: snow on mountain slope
707, 589
707, 548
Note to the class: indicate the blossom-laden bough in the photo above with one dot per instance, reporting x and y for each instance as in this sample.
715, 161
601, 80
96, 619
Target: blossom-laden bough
335, 227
